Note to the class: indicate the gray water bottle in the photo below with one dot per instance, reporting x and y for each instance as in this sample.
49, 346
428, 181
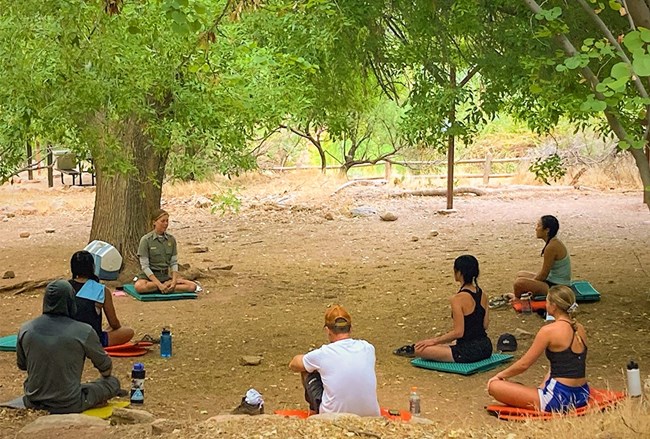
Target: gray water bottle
414, 402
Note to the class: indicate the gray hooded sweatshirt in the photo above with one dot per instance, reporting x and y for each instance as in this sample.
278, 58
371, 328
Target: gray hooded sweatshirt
53, 348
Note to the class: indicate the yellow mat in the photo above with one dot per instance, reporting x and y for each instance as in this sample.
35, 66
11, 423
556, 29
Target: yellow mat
106, 411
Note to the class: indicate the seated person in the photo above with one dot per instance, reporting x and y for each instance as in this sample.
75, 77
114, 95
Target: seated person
92, 297
158, 256
339, 377
53, 348
469, 312
556, 268
565, 344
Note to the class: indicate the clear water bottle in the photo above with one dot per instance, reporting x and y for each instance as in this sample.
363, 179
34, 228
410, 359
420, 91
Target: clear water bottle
166, 343
633, 379
137, 383
526, 305
414, 402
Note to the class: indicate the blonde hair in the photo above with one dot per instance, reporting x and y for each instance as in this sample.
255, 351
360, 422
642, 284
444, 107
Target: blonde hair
564, 298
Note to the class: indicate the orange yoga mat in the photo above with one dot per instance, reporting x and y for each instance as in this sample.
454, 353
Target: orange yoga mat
535, 305
393, 415
599, 399
128, 349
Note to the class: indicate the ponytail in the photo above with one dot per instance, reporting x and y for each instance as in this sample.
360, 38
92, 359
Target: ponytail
553, 225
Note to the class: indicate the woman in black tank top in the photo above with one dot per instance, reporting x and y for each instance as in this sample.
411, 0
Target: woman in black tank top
469, 312
564, 342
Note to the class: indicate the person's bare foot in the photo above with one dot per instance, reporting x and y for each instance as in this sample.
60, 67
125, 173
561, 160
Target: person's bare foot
510, 297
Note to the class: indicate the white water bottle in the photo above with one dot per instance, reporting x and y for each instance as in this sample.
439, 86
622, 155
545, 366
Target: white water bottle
633, 379
414, 402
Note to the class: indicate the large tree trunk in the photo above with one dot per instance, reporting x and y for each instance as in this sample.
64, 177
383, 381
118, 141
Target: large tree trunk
124, 203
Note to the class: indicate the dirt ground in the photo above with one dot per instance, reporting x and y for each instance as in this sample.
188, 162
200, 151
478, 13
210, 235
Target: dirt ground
290, 263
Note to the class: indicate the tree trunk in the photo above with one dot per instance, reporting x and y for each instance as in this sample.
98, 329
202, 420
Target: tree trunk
124, 202
323, 159
644, 171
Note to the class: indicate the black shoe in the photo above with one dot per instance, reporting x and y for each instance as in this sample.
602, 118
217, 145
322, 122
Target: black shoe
405, 351
245, 408
122, 393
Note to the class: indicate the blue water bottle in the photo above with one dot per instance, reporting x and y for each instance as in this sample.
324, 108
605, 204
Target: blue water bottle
137, 384
165, 343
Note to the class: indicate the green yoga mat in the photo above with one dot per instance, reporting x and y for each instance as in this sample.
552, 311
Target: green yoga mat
463, 368
153, 297
584, 291
8, 343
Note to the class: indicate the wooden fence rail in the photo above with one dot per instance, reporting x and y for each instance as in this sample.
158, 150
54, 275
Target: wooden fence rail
486, 175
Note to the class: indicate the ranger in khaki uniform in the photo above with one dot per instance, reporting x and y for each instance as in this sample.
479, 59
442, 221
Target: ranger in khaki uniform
158, 255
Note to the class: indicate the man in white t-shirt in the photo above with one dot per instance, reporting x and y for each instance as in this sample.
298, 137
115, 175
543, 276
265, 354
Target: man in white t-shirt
339, 377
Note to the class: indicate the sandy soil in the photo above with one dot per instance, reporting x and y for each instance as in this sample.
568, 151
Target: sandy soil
290, 262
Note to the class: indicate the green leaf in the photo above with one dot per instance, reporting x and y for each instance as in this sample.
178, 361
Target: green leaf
633, 41
620, 70
641, 65
624, 145
644, 34
572, 63
614, 5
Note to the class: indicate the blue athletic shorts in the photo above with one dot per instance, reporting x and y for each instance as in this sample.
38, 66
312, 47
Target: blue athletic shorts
557, 397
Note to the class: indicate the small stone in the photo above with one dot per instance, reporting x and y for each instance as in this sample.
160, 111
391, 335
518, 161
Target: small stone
415, 238
202, 202
433, 234
250, 360
161, 426
329, 216
363, 211
221, 267
24, 234
420, 420
330, 296
199, 250
131, 416
50, 230
10, 215
9, 275
446, 211
71, 426
388, 216
522, 333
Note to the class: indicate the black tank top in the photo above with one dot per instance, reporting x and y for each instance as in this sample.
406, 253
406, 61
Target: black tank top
474, 321
566, 363
87, 310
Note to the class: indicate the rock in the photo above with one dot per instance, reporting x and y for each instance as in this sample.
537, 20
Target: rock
388, 216
522, 333
220, 267
330, 296
161, 426
9, 275
24, 234
199, 250
415, 238
331, 417
131, 416
72, 426
202, 202
50, 230
363, 211
420, 420
446, 211
329, 216
250, 360
228, 417
10, 215
433, 234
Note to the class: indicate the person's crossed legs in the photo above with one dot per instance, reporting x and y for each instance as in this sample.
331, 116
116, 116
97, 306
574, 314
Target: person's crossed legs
97, 392
313, 385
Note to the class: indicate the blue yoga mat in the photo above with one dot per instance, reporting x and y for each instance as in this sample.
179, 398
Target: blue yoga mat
153, 297
8, 343
463, 368
584, 291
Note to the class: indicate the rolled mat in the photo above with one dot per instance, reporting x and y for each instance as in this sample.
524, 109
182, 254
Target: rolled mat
463, 368
599, 399
8, 343
153, 297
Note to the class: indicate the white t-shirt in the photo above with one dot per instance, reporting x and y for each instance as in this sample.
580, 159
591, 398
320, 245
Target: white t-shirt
347, 368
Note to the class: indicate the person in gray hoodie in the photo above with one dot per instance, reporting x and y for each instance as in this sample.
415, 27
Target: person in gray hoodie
53, 348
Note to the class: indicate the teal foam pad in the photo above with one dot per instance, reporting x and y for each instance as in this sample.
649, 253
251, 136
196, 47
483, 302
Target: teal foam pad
463, 368
584, 291
8, 343
153, 297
